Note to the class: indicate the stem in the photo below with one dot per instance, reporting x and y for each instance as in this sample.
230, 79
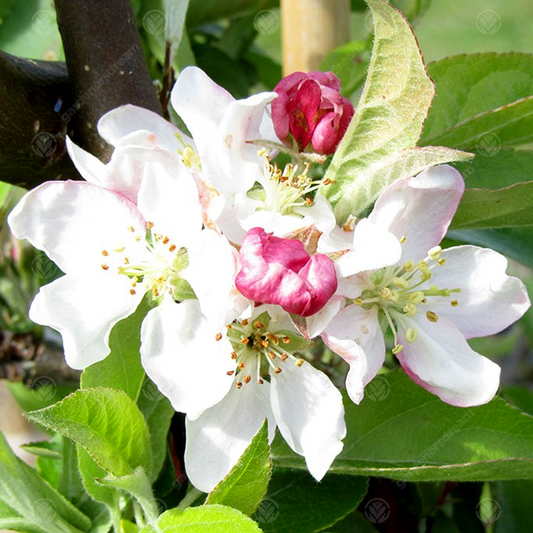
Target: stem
190, 498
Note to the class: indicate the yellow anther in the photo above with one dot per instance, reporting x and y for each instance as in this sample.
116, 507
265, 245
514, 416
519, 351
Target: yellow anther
244, 322
441, 261
433, 288
299, 362
272, 355
241, 365
454, 303
400, 282
431, 316
265, 343
131, 228
245, 341
402, 239
218, 336
234, 355
286, 340
260, 381
358, 301
238, 384
410, 310
132, 292
411, 334
385, 293
230, 372
284, 357
247, 379
308, 201
172, 248
105, 267
394, 296
258, 324
422, 265
349, 225
417, 297
408, 266
397, 349
435, 252
105, 253
277, 370
149, 225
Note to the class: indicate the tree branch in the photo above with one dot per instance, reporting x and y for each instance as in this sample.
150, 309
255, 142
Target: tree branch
105, 63
32, 133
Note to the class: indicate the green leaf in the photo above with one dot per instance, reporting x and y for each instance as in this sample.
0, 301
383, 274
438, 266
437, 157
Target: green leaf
519, 396
360, 194
122, 368
30, 30
158, 413
395, 101
512, 511
296, 503
107, 423
246, 485
24, 494
497, 168
207, 519
90, 472
511, 125
501, 208
137, 485
516, 243
349, 63
433, 440
469, 85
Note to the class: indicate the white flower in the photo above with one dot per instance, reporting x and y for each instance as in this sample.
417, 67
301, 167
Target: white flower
113, 252
262, 379
432, 300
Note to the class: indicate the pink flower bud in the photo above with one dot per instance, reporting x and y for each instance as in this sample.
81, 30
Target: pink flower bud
280, 271
311, 110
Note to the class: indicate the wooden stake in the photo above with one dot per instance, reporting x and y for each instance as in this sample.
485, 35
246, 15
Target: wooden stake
310, 30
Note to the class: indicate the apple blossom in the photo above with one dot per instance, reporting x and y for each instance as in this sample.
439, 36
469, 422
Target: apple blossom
311, 110
113, 252
280, 271
432, 299
263, 378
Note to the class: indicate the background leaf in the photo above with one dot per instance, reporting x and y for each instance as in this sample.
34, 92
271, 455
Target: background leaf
433, 440
297, 503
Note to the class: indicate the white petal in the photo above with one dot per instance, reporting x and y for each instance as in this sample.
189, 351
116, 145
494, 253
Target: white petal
489, 300
441, 361
84, 310
74, 221
214, 287
90, 167
217, 439
420, 209
118, 123
355, 335
373, 247
309, 413
182, 357
319, 321
168, 197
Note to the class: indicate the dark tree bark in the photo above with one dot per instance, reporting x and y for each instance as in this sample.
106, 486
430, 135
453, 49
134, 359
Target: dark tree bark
105, 63
33, 95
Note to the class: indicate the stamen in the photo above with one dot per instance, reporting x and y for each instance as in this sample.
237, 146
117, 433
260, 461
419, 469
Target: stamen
397, 349
299, 362
105, 267
247, 378
402, 239
434, 253
277, 370
218, 336
431, 316
454, 303
105, 253
230, 372
411, 335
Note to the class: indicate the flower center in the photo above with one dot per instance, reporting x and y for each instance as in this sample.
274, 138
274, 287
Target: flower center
257, 351
156, 270
285, 191
400, 291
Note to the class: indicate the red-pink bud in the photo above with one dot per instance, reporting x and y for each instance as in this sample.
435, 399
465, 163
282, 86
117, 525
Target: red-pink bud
310, 108
280, 271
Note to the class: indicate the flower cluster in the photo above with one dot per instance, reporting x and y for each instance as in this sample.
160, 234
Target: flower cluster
244, 265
